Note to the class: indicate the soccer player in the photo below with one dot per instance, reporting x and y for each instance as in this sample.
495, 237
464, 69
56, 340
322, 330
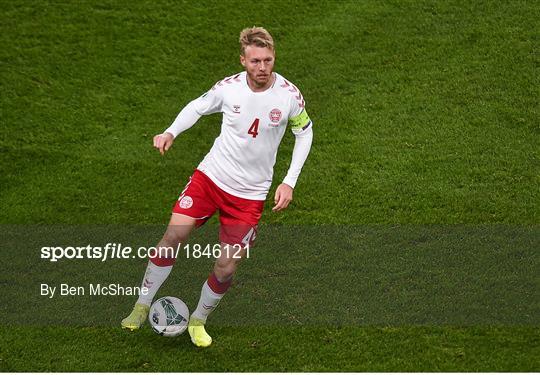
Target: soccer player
235, 176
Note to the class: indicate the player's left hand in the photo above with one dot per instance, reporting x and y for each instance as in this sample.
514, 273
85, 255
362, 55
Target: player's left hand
283, 197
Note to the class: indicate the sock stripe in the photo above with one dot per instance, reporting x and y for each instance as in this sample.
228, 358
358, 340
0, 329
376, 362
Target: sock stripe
217, 286
162, 261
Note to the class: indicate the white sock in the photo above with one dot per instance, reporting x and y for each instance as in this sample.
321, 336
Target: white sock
207, 303
153, 278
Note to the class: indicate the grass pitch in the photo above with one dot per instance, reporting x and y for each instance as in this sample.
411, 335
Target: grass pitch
424, 113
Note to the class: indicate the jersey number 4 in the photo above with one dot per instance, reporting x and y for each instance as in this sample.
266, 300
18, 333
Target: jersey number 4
254, 128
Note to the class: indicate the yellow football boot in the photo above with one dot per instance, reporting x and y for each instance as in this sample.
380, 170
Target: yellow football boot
198, 334
137, 317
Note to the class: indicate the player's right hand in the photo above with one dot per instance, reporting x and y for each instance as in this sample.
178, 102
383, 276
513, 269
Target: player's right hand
163, 142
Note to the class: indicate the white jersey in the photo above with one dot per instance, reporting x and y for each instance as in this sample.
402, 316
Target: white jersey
242, 159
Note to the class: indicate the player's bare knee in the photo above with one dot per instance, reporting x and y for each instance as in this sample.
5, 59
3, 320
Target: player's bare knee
173, 237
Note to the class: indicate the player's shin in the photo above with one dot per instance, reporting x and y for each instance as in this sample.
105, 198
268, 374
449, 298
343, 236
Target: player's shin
211, 293
156, 273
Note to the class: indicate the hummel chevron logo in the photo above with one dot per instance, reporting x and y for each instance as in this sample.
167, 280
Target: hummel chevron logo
148, 284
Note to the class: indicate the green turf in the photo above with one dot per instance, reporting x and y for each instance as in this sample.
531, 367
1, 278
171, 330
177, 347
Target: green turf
425, 112
275, 349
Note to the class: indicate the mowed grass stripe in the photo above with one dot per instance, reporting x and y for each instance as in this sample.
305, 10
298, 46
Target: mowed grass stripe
274, 349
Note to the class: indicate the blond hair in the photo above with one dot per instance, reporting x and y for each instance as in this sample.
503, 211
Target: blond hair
257, 36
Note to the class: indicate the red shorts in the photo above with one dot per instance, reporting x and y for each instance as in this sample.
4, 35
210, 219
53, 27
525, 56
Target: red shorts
238, 217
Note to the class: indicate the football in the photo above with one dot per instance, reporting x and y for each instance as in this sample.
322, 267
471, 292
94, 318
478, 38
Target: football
169, 316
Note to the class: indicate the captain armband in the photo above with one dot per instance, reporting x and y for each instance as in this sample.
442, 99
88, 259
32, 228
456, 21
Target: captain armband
300, 122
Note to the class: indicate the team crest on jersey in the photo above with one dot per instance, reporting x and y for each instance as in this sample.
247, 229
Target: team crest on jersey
186, 202
275, 115
236, 108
